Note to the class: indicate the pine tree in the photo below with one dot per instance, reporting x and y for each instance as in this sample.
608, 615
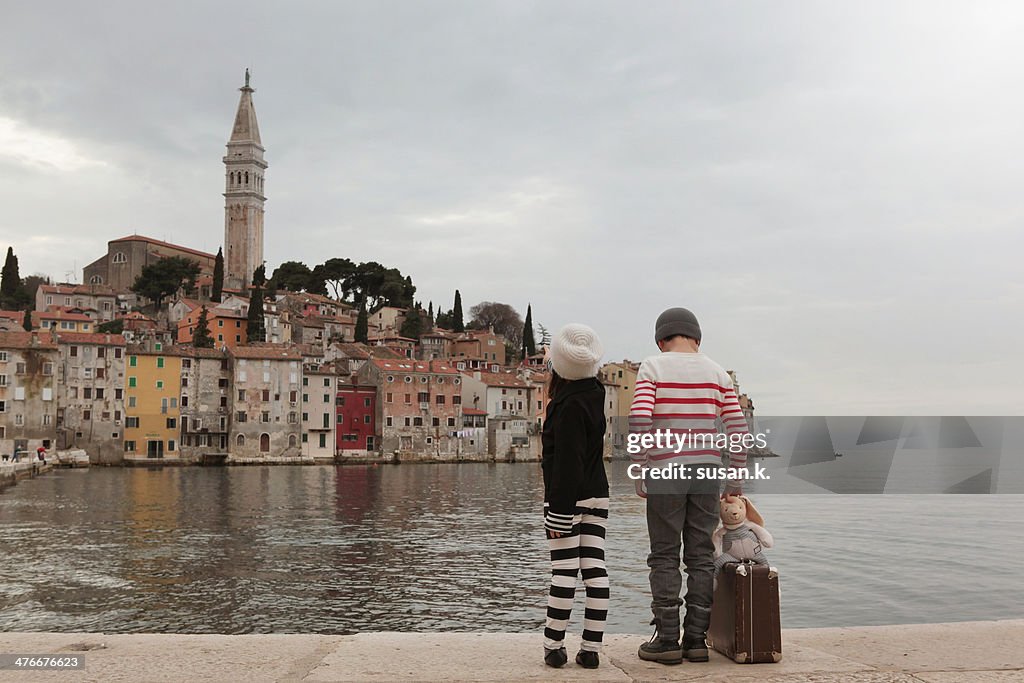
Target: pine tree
412, 326
10, 279
218, 276
362, 323
255, 329
457, 323
202, 339
27, 322
529, 345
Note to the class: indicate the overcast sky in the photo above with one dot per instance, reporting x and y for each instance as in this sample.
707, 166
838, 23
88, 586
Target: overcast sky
834, 188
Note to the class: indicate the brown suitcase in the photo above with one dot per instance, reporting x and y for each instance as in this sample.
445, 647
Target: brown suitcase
745, 623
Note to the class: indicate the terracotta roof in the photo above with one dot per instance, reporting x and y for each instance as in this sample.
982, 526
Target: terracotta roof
85, 290
353, 350
61, 315
385, 353
502, 379
24, 340
473, 411
268, 351
135, 315
408, 365
91, 338
159, 243
13, 315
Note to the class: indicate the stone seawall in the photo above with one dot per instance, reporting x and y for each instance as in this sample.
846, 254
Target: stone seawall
13, 472
931, 653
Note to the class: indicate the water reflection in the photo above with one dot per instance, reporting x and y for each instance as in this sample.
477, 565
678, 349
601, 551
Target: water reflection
445, 547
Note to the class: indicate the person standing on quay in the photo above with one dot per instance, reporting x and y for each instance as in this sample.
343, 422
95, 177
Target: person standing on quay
575, 492
682, 390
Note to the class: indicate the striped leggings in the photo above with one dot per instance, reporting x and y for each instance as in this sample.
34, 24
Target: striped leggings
580, 552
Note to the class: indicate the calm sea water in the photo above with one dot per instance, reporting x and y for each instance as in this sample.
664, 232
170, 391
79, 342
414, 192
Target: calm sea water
446, 547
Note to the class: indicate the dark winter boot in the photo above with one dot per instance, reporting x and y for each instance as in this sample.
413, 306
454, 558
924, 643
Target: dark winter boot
588, 659
695, 629
660, 649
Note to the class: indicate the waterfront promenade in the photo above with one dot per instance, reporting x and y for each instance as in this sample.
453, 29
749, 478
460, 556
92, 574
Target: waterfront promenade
933, 653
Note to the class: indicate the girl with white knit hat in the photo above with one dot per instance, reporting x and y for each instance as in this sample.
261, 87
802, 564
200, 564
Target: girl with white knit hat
575, 492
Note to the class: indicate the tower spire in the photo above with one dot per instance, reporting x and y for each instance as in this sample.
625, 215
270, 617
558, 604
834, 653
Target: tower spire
243, 196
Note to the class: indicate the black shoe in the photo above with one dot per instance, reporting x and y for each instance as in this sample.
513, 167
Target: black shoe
695, 650
588, 659
556, 658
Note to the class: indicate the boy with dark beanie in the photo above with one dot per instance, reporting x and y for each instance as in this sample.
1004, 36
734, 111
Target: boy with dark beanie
684, 392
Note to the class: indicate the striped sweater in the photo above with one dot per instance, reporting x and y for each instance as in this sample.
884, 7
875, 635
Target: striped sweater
691, 395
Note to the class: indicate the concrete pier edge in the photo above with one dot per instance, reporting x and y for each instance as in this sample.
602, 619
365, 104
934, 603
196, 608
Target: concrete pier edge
933, 653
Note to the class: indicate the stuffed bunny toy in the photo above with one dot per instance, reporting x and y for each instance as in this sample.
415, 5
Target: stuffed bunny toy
742, 535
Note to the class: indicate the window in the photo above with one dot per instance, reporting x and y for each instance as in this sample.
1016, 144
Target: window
456, 400
159, 362
3, 380
440, 399
241, 416
159, 384
186, 363
3, 406
323, 440
423, 397
19, 393
240, 439
366, 402
366, 419
101, 373
327, 381
132, 360
47, 368
417, 422
131, 401
241, 394
19, 420
117, 353
388, 421
131, 423
408, 399
451, 421
87, 393
305, 417
3, 356
118, 394
265, 395
435, 422
327, 420
172, 423
408, 422
184, 381
264, 443
388, 397
119, 257
99, 393
129, 446
170, 445
46, 419
19, 369
265, 416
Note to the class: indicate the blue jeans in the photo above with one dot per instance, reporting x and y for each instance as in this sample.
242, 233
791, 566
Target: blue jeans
682, 521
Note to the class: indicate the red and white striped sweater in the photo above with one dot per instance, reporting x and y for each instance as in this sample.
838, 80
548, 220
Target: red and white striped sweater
689, 394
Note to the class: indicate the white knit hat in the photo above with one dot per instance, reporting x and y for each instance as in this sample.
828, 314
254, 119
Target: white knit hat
576, 352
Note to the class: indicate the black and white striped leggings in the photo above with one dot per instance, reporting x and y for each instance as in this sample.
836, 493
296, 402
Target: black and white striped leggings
580, 552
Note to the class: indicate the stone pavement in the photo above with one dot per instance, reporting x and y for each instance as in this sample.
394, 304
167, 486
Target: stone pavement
931, 653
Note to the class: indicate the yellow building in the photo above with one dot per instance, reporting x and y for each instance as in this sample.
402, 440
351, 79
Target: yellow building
152, 387
621, 378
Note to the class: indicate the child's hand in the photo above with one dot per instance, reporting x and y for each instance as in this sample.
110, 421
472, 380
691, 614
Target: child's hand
554, 534
640, 488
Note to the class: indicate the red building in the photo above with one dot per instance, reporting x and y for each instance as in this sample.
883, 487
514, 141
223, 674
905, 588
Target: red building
356, 407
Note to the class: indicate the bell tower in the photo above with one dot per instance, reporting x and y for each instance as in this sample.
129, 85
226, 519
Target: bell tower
243, 196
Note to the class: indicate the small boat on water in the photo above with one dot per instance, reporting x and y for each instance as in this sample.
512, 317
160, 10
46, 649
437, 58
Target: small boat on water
72, 458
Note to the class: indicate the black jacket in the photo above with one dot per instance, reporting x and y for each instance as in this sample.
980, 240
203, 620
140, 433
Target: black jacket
573, 449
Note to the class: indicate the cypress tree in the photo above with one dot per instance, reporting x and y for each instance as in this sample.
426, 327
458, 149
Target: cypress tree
255, 328
362, 323
27, 322
218, 276
10, 278
529, 345
457, 323
202, 339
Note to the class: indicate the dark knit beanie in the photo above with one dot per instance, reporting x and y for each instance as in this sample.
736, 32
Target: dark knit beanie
676, 321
